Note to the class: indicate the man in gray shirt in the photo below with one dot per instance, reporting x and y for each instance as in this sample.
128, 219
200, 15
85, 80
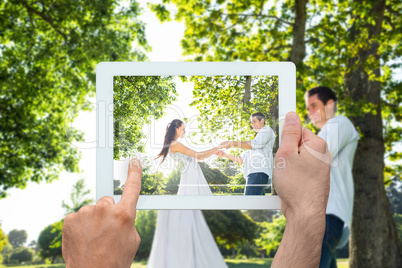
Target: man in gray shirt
258, 159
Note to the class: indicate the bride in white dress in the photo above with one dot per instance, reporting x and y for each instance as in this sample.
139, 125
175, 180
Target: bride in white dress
182, 237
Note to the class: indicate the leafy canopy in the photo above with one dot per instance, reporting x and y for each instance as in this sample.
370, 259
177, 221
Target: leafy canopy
48, 55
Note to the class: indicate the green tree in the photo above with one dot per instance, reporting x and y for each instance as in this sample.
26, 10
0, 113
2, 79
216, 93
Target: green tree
230, 228
22, 254
79, 197
17, 237
34, 246
152, 183
271, 235
3, 242
136, 100
116, 183
145, 223
226, 103
215, 176
49, 241
173, 181
350, 46
263, 215
117, 190
6, 253
48, 54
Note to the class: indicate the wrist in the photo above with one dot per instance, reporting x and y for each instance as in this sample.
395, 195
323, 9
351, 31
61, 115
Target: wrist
303, 239
308, 224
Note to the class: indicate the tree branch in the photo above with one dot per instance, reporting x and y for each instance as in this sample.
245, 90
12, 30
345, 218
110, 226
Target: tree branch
392, 105
313, 40
278, 47
134, 86
46, 18
259, 16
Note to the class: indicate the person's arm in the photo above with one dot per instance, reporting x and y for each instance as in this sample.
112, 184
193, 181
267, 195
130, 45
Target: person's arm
241, 144
263, 137
301, 180
338, 134
178, 147
236, 159
104, 235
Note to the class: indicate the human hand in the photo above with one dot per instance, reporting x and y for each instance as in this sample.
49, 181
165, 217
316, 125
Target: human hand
104, 235
302, 170
220, 153
225, 145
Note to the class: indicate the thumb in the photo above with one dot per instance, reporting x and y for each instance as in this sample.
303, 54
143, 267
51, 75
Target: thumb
291, 134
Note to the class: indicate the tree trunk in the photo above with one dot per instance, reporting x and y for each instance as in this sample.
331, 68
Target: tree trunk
298, 51
374, 241
247, 94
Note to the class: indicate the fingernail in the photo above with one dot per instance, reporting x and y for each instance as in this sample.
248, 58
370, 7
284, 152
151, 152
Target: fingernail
291, 118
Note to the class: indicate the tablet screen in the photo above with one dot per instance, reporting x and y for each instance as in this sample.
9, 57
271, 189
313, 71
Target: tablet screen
210, 110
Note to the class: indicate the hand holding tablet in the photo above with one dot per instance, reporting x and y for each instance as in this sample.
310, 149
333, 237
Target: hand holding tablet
104, 235
302, 183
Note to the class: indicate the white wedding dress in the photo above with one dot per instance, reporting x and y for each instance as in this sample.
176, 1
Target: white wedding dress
182, 237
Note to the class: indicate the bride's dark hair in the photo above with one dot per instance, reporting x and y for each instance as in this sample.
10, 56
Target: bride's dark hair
169, 136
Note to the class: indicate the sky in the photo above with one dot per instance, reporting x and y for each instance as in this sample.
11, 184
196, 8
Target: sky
39, 205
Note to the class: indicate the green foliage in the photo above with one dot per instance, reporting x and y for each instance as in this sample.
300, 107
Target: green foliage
3, 239
271, 235
6, 253
398, 222
215, 176
234, 30
17, 237
79, 197
237, 180
116, 183
22, 254
136, 100
117, 189
145, 223
263, 215
230, 228
152, 183
173, 181
230, 30
48, 54
226, 103
49, 241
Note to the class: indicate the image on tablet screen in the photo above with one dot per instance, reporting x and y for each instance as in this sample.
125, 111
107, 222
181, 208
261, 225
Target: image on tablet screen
212, 109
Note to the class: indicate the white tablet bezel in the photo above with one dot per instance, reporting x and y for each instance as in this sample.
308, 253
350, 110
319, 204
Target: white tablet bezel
105, 71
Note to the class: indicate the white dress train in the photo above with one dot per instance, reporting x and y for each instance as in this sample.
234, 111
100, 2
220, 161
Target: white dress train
182, 237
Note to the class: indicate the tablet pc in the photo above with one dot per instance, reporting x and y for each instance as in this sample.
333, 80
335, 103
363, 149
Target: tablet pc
214, 100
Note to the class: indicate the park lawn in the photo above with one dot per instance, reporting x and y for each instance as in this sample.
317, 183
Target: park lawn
248, 263
342, 263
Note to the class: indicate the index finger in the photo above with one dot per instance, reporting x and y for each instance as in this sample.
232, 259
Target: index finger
132, 187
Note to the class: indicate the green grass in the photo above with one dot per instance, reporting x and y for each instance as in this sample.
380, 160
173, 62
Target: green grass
61, 265
249, 263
